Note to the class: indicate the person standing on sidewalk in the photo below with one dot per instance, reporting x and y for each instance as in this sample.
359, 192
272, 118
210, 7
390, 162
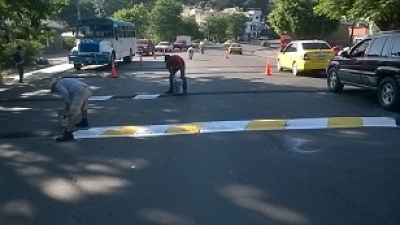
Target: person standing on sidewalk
175, 63
76, 95
19, 62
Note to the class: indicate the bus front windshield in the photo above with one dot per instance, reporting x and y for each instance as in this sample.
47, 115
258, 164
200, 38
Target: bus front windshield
95, 31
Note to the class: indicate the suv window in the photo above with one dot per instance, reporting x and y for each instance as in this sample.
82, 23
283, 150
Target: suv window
396, 47
377, 46
359, 50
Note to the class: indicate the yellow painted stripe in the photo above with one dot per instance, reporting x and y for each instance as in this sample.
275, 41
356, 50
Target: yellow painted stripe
191, 128
127, 130
339, 122
266, 125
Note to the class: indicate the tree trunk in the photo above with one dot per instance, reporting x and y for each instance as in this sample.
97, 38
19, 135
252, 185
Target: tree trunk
1, 77
352, 34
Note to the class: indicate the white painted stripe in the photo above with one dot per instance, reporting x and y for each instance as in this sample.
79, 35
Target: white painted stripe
224, 126
100, 98
91, 133
154, 130
152, 96
310, 123
379, 122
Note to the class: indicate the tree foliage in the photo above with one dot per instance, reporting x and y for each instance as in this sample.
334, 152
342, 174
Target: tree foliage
138, 14
235, 24
165, 19
215, 26
32, 10
190, 27
384, 13
298, 17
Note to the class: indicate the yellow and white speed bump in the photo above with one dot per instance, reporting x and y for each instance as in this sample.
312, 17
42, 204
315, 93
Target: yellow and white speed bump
237, 126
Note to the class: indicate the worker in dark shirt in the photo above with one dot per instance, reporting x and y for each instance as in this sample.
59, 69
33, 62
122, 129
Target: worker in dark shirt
175, 63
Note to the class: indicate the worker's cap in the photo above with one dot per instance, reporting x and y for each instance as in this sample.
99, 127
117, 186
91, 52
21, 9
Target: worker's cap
167, 57
52, 85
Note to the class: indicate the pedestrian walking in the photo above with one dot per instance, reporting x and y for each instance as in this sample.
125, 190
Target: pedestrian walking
76, 95
174, 64
19, 61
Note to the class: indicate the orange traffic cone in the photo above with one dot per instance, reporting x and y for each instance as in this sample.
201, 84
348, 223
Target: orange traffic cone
226, 55
141, 61
268, 68
113, 71
154, 55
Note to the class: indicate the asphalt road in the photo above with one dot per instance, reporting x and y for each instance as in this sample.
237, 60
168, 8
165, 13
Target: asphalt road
305, 175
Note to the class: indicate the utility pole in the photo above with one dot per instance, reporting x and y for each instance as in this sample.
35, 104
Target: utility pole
78, 9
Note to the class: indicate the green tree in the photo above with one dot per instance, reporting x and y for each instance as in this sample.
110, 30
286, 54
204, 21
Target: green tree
165, 19
100, 8
235, 25
190, 27
215, 26
138, 14
384, 13
298, 17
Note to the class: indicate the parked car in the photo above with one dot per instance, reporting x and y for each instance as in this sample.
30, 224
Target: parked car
305, 56
164, 45
235, 48
372, 63
228, 43
180, 45
145, 47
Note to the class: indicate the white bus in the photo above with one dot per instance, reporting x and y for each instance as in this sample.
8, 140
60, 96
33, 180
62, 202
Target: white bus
102, 41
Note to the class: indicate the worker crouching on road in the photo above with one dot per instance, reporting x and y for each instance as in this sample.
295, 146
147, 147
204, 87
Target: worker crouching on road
190, 53
76, 95
175, 63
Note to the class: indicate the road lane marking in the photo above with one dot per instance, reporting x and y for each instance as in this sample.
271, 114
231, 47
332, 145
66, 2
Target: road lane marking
147, 96
100, 98
237, 126
343, 122
266, 125
185, 129
223, 126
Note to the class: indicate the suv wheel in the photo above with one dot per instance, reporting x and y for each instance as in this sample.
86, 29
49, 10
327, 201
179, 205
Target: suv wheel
388, 93
333, 81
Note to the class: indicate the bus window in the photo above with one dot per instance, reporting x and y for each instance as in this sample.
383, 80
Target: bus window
94, 31
120, 32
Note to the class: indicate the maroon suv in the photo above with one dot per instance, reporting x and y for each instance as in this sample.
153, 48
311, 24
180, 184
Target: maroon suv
145, 47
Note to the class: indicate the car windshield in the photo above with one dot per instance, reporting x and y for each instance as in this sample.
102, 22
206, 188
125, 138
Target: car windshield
315, 46
95, 31
235, 45
142, 41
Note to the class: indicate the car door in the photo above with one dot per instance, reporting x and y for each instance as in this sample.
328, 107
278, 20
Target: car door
376, 57
350, 67
287, 55
282, 56
394, 59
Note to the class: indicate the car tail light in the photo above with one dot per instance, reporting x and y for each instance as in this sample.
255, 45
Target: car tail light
306, 57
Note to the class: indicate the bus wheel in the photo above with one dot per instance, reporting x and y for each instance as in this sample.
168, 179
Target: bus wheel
128, 59
78, 66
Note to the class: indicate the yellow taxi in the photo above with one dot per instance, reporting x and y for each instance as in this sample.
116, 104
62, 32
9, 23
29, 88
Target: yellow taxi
304, 56
235, 48
228, 43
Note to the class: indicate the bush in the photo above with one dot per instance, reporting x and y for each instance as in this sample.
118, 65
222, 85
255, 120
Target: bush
32, 50
69, 42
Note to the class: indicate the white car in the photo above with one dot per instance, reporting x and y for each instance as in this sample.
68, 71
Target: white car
164, 45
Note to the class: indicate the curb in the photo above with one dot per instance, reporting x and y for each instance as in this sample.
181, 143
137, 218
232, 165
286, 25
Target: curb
237, 126
38, 74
